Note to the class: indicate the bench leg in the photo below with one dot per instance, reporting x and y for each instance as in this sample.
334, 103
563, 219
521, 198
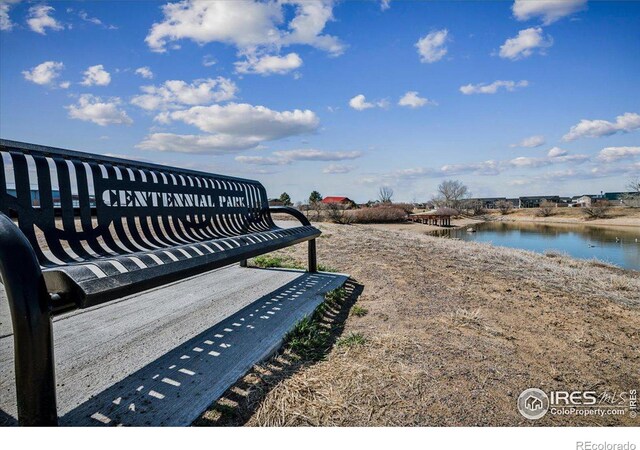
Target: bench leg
243, 263
313, 259
29, 303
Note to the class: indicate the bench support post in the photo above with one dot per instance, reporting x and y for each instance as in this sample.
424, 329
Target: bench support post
29, 303
243, 263
313, 259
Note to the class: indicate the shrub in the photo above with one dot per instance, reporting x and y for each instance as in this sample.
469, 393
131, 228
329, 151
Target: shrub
406, 207
359, 311
597, 210
337, 213
546, 209
379, 214
474, 207
504, 207
352, 340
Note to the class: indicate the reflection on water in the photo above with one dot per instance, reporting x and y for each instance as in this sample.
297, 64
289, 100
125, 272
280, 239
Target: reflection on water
618, 246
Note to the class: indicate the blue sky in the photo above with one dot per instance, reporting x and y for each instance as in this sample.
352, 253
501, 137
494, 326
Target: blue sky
512, 98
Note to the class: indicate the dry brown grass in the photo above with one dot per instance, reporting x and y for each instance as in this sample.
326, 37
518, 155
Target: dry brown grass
455, 331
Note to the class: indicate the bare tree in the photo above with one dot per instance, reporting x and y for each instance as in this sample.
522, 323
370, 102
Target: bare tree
504, 206
451, 194
385, 194
546, 209
632, 199
475, 207
337, 213
597, 209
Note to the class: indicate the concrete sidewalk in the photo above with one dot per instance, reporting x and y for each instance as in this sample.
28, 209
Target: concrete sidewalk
160, 358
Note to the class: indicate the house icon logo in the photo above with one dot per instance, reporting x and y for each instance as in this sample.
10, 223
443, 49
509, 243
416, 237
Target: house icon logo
533, 403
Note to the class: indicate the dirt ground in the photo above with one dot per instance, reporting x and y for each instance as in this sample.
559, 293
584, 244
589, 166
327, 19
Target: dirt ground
455, 331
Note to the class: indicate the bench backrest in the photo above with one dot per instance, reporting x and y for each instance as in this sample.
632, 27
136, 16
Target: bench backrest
75, 206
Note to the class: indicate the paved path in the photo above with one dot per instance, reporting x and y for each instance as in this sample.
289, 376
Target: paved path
163, 356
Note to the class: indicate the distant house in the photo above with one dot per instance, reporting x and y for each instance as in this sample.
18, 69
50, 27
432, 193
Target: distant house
488, 202
616, 197
275, 202
345, 201
564, 201
515, 202
535, 201
583, 201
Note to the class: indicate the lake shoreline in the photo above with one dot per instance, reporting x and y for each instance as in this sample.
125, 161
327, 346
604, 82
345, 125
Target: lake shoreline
574, 216
616, 245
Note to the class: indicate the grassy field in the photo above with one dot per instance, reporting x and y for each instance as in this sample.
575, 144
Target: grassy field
442, 332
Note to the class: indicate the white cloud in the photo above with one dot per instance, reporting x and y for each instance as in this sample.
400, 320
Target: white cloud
262, 160
283, 157
144, 72
337, 169
525, 43
94, 20
526, 161
489, 167
385, 4
610, 154
413, 100
316, 155
492, 88
554, 156
93, 109
5, 20
556, 152
208, 61
46, 74
248, 25
625, 123
243, 119
530, 142
207, 144
431, 47
39, 19
96, 76
173, 94
269, 64
548, 10
233, 127
360, 103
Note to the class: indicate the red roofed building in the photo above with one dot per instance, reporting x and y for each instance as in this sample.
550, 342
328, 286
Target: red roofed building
346, 201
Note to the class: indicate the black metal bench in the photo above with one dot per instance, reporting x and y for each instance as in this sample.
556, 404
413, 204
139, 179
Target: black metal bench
78, 229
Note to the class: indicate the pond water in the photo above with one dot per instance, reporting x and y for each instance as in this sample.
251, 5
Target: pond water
619, 246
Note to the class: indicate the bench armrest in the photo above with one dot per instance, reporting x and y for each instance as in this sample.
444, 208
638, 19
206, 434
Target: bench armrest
292, 212
29, 303
313, 259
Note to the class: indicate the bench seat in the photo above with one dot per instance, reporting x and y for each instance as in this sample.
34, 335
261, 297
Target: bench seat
99, 280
